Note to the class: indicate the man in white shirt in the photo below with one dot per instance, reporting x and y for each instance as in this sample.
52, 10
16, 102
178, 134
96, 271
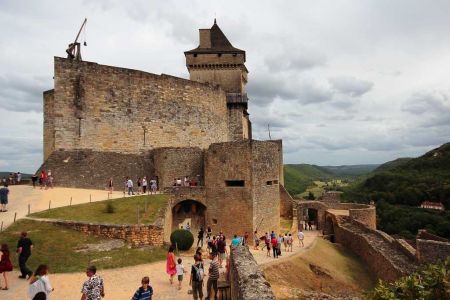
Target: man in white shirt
130, 186
301, 237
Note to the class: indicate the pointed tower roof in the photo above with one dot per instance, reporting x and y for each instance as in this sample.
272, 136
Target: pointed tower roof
216, 42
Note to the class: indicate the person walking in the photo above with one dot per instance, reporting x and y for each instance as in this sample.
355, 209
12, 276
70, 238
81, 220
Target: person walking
255, 240
4, 192
34, 178
201, 233
213, 276
5, 264
40, 282
236, 241
110, 185
130, 186
301, 237
180, 272
145, 291
289, 243
267, 242
24, 246
144, 185
171, 265
153, 185
274, 243
222, 249
196, 279
93, 288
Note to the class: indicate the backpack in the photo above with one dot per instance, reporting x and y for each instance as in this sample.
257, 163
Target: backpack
199, 272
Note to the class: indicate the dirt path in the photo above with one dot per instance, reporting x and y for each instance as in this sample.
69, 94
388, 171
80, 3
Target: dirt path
22, 195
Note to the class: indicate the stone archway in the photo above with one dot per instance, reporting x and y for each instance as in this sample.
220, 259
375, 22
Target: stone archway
189, 211
312, 210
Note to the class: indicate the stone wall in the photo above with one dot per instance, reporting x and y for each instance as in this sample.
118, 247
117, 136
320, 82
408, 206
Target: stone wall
171, 163
265, 185
106, 108
246, 279
367, 215
136, 235
430, 248
49, 123
92, 169
286, 203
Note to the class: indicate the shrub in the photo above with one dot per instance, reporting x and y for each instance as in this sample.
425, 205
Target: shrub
431, 283
110, 209
182, 238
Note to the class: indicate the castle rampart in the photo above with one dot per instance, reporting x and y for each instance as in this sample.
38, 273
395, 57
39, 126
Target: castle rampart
106, 108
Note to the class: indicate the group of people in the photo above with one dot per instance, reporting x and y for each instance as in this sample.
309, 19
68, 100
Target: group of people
143, 186
13, 178
45, 179
275, 242
197, 273
186, 181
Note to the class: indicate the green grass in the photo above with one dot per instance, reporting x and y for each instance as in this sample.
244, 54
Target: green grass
56, 247
125, 210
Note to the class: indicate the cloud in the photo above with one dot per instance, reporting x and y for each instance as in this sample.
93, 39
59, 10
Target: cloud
431, 108
350, 85
21, 93
295, 61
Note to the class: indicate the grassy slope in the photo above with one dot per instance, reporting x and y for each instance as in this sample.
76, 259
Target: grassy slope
56, 247
348, 273
125, 210
298, 177
351, 170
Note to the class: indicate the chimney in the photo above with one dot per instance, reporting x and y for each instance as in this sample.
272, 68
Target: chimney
205, 38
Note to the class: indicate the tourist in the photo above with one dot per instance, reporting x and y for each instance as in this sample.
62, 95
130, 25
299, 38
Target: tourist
110, 185
235, 241
255, 240
199, 253
200, 237
196, 279
19, 177
139, 184
130, 186
208, 231
171, 266
221, 249
33, 180
274, 243
144, 185
272, 235
178, 182
153, 185
301, 237
209, 241
40, 282
4, 191
213, 276
289, 242
5, 264
24, 246
145, 291
285, 241
180, 272
279, 242
188, 227
214, 245
93, 288
267, 241
43, 178
49, 182
310, 225
245, 239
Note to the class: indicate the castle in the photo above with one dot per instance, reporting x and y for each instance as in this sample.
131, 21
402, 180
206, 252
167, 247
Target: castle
102, 121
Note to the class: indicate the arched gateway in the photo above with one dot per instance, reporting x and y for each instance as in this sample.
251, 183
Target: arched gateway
190, 212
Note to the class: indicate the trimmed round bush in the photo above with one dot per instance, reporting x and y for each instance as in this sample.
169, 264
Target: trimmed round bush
182, 238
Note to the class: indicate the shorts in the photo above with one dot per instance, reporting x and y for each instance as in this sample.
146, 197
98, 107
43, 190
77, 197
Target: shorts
180, 277
197, 289
4, 201
222, 255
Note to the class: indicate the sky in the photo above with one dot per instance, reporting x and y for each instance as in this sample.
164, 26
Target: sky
341, 82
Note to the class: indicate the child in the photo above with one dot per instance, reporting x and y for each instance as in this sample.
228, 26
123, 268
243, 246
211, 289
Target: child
180, 272
5, 264
145, 291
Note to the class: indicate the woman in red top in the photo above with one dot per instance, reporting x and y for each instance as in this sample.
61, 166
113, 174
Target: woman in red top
171, 264
5, 264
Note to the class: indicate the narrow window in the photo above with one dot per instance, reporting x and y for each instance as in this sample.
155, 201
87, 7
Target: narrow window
195, 54
219, 55
269, 182
235, 182
214, 221
79, 127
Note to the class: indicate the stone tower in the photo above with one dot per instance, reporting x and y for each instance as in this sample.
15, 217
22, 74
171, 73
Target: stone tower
216, 61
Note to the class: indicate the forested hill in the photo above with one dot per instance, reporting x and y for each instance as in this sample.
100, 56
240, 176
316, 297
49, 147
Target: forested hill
399, 187
408, 181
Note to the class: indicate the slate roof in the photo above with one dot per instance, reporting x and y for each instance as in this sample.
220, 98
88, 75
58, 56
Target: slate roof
219, 43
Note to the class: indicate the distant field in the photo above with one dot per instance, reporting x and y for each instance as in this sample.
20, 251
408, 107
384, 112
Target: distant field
125, 210
59, 248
